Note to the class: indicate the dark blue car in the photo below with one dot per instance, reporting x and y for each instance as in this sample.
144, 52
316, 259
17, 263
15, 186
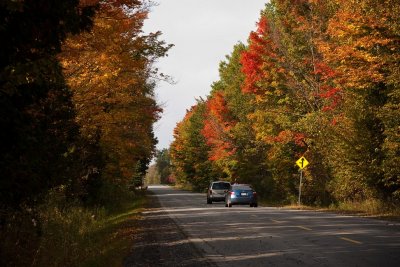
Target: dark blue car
241, 194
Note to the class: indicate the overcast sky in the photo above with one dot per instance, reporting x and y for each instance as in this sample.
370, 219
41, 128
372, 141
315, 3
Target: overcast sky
203, 32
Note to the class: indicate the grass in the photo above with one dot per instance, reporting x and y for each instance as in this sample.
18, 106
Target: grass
71, 235
115, 236
368, 208
186, 186
371, 208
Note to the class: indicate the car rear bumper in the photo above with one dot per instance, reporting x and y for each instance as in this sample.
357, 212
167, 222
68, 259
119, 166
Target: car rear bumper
243, 201
217, 198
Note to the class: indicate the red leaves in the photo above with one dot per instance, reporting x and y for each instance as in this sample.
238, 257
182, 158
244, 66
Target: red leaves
287, 136
324, 71
263, 26
284, 136
259, 58
251, 67
299, 139
333, 94
327, 91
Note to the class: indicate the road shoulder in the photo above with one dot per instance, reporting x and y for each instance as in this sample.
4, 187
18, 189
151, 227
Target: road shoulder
160, 242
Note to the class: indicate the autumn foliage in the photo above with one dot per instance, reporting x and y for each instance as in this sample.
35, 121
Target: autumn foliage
77, 112
319, 79
109, 70
217, 127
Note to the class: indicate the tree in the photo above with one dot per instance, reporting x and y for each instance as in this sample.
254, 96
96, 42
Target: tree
227, 129
36, 113
189, 151
320, 79
276, 112
152, 175
163, 164
217, 126
362, 44
111, 74
39, 139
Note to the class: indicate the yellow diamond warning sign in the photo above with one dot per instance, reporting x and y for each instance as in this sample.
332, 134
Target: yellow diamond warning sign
302, 162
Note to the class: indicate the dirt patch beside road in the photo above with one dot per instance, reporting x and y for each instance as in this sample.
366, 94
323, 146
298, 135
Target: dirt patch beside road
160, 242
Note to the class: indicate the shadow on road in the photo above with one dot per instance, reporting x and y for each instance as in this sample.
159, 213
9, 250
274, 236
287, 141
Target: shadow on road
160, 242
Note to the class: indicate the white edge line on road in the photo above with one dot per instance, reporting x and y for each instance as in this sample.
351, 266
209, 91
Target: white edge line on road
304, 228
351, 240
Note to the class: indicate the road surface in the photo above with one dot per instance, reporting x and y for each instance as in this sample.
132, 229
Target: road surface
267, 236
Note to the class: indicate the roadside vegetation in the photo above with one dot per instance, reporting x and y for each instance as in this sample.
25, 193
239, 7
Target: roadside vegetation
371, 207
76, 117
68, 234
318, 79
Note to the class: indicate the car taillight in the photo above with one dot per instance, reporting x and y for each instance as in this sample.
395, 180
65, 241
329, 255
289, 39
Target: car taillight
232, 193
254, 193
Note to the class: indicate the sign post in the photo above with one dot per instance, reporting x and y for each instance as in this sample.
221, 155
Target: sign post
301, 178
302, 163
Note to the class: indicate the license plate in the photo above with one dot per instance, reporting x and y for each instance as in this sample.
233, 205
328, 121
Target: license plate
243, 194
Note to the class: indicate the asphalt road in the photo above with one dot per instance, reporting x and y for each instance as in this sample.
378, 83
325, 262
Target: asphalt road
267, 236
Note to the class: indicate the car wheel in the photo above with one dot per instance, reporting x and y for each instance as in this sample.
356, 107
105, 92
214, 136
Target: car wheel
229, 205
209, 201
251, 205
255, 205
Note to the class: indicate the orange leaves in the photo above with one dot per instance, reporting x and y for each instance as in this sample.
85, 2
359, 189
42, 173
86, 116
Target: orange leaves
109, 71
285, 137
217, 126
358, 43
217, 107
317, 77
189, 152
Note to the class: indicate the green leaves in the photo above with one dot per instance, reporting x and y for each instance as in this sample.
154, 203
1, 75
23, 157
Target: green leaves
189, 151
320, 79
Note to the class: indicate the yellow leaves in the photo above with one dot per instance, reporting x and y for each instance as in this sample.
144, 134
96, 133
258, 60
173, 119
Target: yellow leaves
358, 41
274, 84
259, 98
110, 87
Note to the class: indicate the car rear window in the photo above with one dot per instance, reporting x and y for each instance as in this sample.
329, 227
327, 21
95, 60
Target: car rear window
241, 187
220, 186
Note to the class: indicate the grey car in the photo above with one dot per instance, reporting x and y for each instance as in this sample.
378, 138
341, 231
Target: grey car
241, 194
217, 190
